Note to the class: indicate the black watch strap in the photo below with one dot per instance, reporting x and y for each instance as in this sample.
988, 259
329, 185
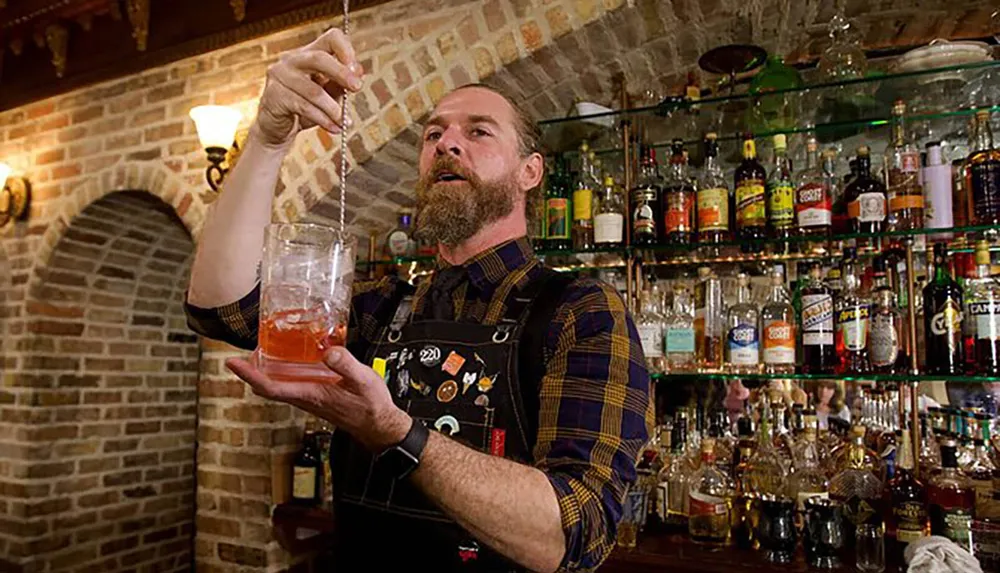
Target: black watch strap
405, 456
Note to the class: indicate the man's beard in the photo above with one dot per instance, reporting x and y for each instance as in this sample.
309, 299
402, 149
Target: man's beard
451, 213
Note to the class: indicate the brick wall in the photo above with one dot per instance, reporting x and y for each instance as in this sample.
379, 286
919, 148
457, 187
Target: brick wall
133, 133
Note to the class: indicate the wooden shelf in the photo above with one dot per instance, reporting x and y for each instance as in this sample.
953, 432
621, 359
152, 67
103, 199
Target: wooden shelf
301, 529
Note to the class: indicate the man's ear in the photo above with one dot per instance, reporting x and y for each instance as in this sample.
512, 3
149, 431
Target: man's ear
532, 169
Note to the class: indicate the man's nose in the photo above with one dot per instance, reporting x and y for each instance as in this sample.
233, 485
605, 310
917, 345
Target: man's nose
449, 143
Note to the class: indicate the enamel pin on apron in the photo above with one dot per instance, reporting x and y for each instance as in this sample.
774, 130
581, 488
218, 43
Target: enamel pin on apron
468, 379
483, 401
447, 421
447, 391
430, 356
453, 363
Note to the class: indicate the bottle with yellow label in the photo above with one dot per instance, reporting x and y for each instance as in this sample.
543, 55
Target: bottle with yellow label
751, 210
780, 196
943, 319
583, 199
713, 198
307, 472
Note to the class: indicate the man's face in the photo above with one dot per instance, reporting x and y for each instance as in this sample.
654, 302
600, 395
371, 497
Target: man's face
471, 169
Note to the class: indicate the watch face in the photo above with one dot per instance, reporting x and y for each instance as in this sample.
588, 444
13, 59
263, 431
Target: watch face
399, 462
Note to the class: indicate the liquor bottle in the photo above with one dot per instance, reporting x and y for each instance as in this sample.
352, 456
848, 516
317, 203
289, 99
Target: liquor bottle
943, 319
818, 349
981, 468
841, 217
856, 485
583, 197
646, 201
676, 476
679, 191
778, 326
938, 195
865, 198
709, 499
750, 204
852, 309
713, 199
902, 170
930, 454
742, 528
887, 356
679, 337
952, 500
808, 479
650, 324
813, 197
780, 195
400, 242
982, 173
907, 519
983, 312
609, 217
557, 222
742, 336
766, 473
709, 329
307, 473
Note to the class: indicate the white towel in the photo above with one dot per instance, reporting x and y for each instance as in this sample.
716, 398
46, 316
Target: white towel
936, 554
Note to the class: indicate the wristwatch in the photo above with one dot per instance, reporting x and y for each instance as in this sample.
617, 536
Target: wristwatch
400, 460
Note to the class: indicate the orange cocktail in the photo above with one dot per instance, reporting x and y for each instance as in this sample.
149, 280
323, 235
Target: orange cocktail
306, 280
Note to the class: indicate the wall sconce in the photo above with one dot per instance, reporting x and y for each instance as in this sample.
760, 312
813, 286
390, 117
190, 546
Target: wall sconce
14, 196
216, 125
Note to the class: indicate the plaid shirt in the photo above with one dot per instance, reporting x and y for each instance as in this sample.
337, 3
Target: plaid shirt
596, 410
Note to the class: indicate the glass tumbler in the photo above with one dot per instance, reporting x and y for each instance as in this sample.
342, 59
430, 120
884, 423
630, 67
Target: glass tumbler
776, 528
870, 548
306, 279
634, 511
824, 532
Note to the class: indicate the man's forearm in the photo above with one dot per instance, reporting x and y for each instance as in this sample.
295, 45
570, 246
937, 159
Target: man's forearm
509, 506
229, 249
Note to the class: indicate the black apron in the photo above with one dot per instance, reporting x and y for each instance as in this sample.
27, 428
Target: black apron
459, 378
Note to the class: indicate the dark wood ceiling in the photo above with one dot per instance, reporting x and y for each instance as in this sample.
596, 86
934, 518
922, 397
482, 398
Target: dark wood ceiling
100, 42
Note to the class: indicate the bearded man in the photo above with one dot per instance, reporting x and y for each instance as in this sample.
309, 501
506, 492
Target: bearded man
533, 383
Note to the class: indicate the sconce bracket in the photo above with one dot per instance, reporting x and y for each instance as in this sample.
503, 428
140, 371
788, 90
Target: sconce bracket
216, 172
14, 199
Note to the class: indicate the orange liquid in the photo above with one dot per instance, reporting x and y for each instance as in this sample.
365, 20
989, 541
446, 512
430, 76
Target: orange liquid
302, 342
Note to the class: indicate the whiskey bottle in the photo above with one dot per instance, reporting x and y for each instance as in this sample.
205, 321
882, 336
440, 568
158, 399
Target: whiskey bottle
808, 479
943, 319
857, 486
780, 195
557, 212
907, 519
983, 312
778, 327
609, 217
709, 498
852, 309
646, 201
713, 199
307, 473
742, 335
982, 173
709, 329
818, 350
886, 324
865, 198
813, 197
902, 170
583, 197
952, 500
676, 477
679, 191
751, 209
981, 468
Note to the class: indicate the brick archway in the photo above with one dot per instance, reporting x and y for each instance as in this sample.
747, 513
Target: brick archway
108, 394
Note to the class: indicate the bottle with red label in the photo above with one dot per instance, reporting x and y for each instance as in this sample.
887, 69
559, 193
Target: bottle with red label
813, 198
709, 498
852, 312
679, 198
777, 318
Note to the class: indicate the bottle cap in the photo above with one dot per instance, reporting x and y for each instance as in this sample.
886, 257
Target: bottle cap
863, 151
780, 142
711, 136
982, 252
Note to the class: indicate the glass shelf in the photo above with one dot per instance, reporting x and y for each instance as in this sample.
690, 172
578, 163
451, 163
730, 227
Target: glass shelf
679, 376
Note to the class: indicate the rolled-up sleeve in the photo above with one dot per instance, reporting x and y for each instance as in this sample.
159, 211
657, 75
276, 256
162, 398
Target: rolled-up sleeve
596, 415
234, 323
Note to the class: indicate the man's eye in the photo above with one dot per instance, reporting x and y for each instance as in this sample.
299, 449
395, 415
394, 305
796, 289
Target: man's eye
480, 132
432, 136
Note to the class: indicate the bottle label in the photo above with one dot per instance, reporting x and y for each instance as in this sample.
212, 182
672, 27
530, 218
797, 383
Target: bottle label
304, 483
910, 519
984, 179
555, 215
884, 341
852, 327
910, 162
651, 336
947, 321
814, 206
680, 339
858, 510
986, 315
713, 209
582, 204
399, 242
955, 523
680, 207
743, 345
900, 202
750, 208
781, 206
779, 342
643, 221
817, 320
868, 208
700, 504
801, 497
661, 501
608, 228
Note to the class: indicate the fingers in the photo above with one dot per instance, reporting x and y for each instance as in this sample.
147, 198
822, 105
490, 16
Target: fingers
333, 41
355, 374
301, 95
327, 66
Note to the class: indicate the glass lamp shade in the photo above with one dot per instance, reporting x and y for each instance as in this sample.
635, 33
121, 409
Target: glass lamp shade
216, 125
4, 174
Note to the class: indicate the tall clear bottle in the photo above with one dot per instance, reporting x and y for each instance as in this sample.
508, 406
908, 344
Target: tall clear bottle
983, 311
709, 319
766, 472
853, 312
902, 169
679, 337
583, 196
808, 479
679, 191
650, 324
609, 216
778, 326
713, 200
676, 477
982, 173
710, 497
742, 334
813, 198
646, 218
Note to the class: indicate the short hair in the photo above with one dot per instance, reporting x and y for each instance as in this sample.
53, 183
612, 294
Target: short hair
529, 139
